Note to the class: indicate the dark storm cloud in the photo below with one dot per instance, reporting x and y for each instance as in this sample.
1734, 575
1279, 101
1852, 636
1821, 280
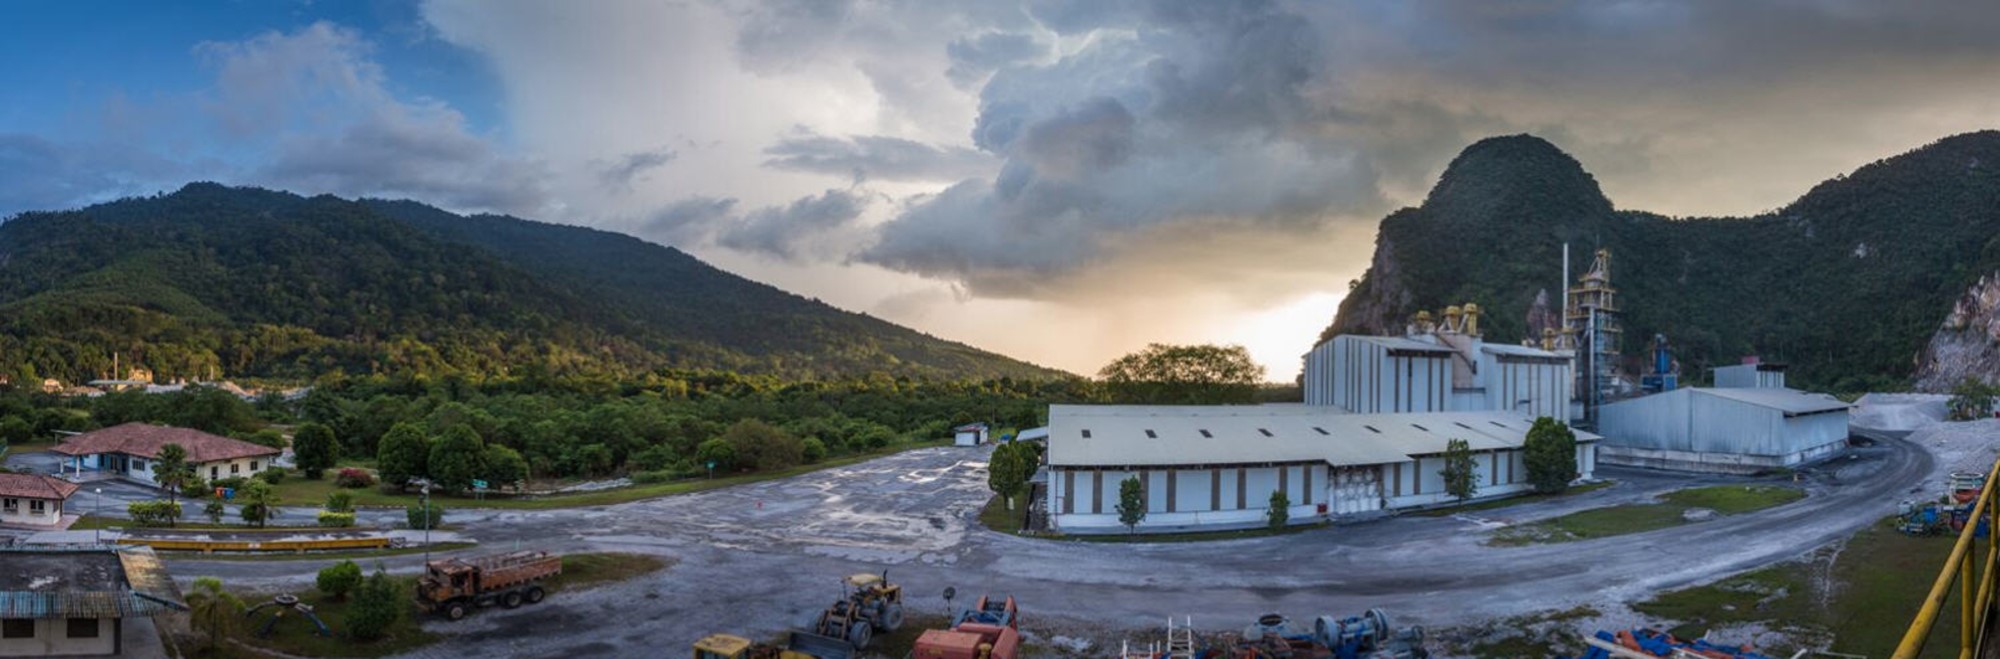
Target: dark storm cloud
868, 157
619, 174
975, 57
786, 231
689, 222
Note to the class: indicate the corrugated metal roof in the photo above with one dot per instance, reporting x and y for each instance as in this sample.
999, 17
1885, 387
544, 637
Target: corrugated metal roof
1033, 433
151, 590
1400, 343
1518, 351
1791, 401
1144, 435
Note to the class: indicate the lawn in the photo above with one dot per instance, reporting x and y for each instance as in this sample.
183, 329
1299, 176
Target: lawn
1877, 580
996, 516
90, 522
583, 571
356, 556
1642, 517
1201, 536
1515, 501
297, 491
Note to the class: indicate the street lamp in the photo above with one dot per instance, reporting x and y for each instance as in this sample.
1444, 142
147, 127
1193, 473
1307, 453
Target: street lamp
425, 492
97, 508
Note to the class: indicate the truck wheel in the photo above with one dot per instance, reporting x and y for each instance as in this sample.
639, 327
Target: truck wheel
535, 594
860, 636
455, 611
511, 599
892, 617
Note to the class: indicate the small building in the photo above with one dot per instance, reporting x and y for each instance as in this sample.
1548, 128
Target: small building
33, 499
1438, 367
130, 450
971, 434
1034, 435
80, 601
1751, 374
1732, 430
1216, 467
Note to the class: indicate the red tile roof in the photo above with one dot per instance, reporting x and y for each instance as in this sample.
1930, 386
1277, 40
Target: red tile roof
35, 486
142, 440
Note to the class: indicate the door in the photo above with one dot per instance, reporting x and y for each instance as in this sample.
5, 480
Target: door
1355, 490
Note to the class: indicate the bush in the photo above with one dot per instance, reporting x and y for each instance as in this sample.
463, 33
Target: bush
154, 513
718, 452
415, 514
656, 476
351, 477
232, 482
378, 605
214, 511
196, 488
1550, 455
1280, 513
764, 446
339, 579
274, 475
814, 450
340, 502
330, 519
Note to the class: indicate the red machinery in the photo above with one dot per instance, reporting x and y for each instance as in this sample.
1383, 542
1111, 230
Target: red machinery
989, 630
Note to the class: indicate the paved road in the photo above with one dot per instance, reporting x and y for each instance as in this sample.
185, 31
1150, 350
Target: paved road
760, 558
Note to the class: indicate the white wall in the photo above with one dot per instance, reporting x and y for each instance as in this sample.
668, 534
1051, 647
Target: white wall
1363, 377
52, 639
23, 511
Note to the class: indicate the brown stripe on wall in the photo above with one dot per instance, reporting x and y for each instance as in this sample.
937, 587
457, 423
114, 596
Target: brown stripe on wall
1096, 493
1173, 487
1239, 488
1215, 489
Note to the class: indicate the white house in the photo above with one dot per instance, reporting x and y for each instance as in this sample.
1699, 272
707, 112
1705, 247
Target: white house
130, 451
78, 601
971, 434
33, 499
1217, 466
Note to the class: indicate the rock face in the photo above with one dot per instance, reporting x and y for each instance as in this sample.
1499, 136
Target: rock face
1967, 344
1542, 318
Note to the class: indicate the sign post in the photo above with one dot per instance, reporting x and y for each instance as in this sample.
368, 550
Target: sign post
711, 470
479, 489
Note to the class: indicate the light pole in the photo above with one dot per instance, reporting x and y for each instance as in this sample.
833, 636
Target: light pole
97, 507
425, 492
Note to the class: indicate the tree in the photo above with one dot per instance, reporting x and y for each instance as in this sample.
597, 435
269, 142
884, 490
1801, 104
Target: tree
377, 607
214, 511
458, 457
171, 470
1972, 399
717, 452
339, 579
257, 502
1131, 503
340, 502
15, 430
415, 515
213, 609
1550, 454
314, 449
403, 454
1280, 512
1461, 480
504, 466
1009, 469
1184, 375
764, 446
267, 437
812, 449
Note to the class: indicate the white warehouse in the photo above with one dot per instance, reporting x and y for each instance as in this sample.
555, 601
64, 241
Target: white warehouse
1215, 467
1736, 430
1438, 368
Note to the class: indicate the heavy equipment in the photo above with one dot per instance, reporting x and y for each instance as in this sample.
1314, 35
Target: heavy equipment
869, 604
798, 645
990, 629
453, 586
1274, 636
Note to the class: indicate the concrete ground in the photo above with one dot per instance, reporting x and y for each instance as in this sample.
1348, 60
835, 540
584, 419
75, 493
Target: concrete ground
761, 558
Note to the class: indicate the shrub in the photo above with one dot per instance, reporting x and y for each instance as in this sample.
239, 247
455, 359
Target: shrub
351, 477
378, 605
274, 475
1550, 455
415, 513
1280, 513
655, 476
339, 579
231, 482
340, 502
154, 513
764, 446
332, 519
196, 488
214, 511
814, 450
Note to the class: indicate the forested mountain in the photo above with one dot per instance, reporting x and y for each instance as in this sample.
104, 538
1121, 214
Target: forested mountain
1846, 283
245, 282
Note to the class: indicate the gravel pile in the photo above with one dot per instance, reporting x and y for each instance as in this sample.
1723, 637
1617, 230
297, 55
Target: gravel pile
1898, 412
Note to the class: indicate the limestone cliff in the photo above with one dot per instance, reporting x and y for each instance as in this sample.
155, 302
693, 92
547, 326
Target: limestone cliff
1967, 344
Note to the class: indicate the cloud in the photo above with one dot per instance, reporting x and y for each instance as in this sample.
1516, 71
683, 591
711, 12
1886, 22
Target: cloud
331, 125
42, 174
787, 231
691, 221
620, 174
878, 157
973, 58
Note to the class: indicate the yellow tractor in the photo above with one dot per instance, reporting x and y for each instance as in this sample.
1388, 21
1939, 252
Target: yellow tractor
799, 646
870, 604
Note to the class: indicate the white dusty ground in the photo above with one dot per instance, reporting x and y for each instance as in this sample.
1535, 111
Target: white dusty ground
760, 558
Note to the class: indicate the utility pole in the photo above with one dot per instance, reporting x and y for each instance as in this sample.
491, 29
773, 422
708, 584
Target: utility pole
97, 510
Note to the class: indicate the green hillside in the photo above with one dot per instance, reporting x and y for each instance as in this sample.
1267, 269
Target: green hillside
1845, 284
247, 282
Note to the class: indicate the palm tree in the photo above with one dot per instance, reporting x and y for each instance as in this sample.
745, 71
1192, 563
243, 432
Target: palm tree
172, 471
213, 608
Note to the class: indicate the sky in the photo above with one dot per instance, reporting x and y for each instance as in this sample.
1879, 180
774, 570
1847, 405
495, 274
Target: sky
1062, 182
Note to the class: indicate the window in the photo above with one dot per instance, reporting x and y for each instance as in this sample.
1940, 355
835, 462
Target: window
234, 468
1320, 430
1205, 433
214, 473
253, 465
12, 506
1086, 433
83, 628
1152, 435
37, 506
17, 628
1420, 427
1267, 433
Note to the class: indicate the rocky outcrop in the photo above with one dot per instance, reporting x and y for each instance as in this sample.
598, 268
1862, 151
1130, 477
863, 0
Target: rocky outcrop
1541, 318
1967, 344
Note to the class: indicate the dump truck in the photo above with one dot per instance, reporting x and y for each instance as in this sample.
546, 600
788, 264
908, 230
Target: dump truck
453, 586
798, 645
988, 630
869, 604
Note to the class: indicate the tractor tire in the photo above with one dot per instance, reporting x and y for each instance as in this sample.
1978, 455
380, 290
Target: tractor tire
455, 611
535, 594
892, 618
860, 636
511, 599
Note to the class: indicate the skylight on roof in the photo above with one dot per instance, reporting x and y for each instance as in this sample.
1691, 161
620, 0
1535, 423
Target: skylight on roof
1497, 424
1205, 433
1373, 430
1152, 435
1320, 430
1420, 427
1086, 433
1267, 433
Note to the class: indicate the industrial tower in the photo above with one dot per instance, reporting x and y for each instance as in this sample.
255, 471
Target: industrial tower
1592, 317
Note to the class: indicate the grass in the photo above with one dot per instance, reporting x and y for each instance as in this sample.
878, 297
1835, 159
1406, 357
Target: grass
996, 516
1201, 536
297, 491
91, 522
1642, 517
583, 571
295, 636
356, 556
1515, 501
1863, 595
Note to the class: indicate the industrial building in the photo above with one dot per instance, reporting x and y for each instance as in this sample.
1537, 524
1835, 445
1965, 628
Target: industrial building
1217, 466
1438, 367
1748, 422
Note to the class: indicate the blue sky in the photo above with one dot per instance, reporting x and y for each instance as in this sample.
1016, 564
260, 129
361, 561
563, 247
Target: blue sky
1059, 180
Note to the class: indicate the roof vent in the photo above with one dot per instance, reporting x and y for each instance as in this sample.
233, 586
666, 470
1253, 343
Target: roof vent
1320, 430
1267, 433
1497, 424
1420, 427
1086, 433
1152, 435
1205, 433
1461, 424
1373, 430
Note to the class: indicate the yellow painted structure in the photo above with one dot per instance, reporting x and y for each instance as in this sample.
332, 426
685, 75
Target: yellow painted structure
1965, 567
209, 546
